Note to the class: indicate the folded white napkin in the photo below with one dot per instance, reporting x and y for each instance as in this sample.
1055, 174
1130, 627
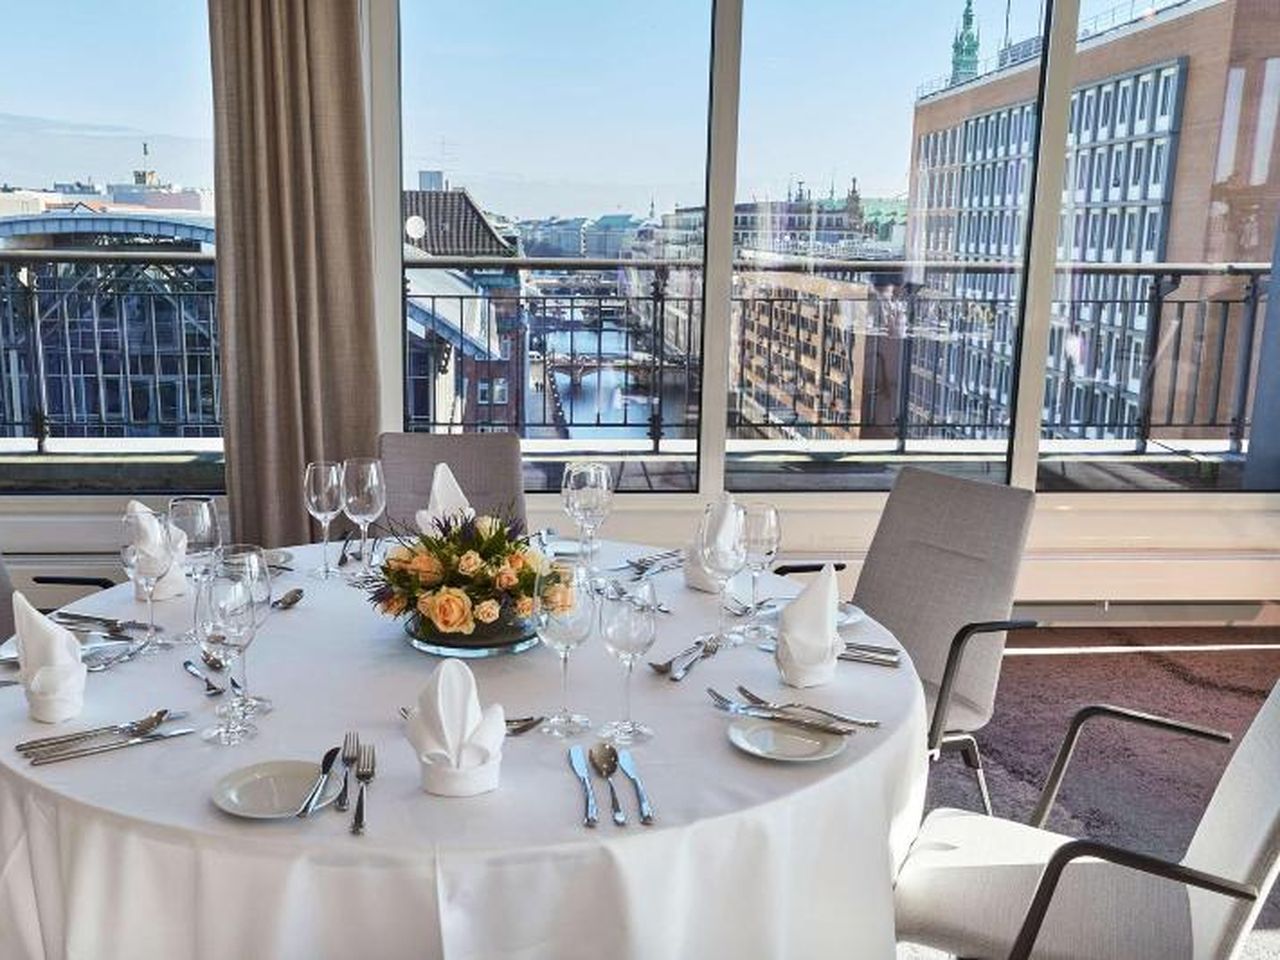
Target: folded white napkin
808, 641
145, 535
724, 523
446, 500
49, 664
458, 744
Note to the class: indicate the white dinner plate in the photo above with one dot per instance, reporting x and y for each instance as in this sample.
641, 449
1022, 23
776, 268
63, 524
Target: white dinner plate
781, 741
273, 790
846, 615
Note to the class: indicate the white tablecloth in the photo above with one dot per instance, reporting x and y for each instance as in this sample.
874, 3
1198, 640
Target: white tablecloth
124, 856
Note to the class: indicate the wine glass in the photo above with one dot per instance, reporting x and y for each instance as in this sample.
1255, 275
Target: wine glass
722, 550
762, 530
629, 632
197, 517
146, 551
587, 493
253, 559
364, 497
322, 484
564, 615
239, 595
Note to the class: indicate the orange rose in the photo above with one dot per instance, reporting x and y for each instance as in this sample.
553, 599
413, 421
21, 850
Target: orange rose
516, 561
450, 610
558, 598
399, 557
524, 607
428, 568
469, 563
487, 611
505, 578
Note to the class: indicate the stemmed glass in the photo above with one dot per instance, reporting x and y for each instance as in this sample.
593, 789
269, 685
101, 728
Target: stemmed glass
629, 632
587, 493
197, 517
323, 487
252, 558
239, 598
364, 497
722, 549
564, 616
146, 551
762, 530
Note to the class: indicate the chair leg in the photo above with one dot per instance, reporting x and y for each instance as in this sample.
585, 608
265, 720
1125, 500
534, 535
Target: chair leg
965, 745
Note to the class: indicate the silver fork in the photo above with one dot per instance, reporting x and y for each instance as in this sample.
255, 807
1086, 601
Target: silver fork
805, 707
350, 754
365, 764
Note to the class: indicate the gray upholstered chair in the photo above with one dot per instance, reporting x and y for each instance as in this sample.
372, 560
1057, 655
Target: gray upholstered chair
940, 575
487, 466
979, 886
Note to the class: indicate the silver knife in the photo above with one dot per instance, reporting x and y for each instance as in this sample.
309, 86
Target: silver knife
779, 716
110, 623
628, 766
578, 760
135, 728
114, 745
317, 789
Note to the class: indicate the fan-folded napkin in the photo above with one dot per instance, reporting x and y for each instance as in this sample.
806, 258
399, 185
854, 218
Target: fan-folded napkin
724, 526
808, 641
459, 745
446, 501
145, 535
49, 664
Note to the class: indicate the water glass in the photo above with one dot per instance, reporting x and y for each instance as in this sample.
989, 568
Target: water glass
564, 616
197, 518
364, 497
146, 552
722, 550
629, 629
239, 597
586, 491
762, 530
322, 485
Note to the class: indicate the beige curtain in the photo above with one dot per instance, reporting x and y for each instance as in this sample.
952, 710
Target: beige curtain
295, 294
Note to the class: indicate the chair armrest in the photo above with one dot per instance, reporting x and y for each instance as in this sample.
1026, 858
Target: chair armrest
787, 569
1050, 790
938, 728
1142, 862
102, 583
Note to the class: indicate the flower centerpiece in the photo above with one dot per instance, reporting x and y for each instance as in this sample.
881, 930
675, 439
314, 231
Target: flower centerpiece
466, 588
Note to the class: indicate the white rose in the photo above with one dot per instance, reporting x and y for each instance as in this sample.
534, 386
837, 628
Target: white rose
536, 561
488, 526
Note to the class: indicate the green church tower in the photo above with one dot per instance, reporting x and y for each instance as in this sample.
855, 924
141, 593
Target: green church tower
964, 48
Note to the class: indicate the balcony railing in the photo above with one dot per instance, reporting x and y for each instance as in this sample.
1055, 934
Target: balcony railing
606, 354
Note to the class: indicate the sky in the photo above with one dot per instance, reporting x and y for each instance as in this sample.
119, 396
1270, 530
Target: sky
559, 107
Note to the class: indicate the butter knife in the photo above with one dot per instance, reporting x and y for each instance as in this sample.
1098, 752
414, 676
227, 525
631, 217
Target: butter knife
317, 789
113, 745
578, 761
628, 766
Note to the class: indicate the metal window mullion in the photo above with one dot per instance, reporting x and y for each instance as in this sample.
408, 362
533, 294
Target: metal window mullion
717, 285
1062, 17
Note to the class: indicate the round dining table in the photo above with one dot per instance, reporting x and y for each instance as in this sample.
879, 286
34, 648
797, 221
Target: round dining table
124, 856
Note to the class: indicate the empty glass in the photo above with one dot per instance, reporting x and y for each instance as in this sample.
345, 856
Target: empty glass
564, 616
197, 517
146, 551
322, 484
239, 596
629, 629
253, 558
587, 494
762, 530
364, 497
722, 549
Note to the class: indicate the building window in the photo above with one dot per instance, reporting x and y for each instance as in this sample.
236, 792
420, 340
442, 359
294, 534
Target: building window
1143, 98
1138, 166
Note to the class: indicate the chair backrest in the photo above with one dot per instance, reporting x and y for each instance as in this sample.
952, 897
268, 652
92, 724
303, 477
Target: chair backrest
1239, 836
946, 553
486, 465
6, 602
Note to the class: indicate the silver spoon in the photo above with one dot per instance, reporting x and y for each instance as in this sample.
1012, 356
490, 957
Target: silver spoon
605, 759
213, 661
289, 599
666, 666
211, 689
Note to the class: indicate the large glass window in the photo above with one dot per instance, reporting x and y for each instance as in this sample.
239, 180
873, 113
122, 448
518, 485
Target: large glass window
108, 369
554, 198
1161, 361
875, 310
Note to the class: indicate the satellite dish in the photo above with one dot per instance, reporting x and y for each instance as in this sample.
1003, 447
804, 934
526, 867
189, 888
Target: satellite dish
415, 227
